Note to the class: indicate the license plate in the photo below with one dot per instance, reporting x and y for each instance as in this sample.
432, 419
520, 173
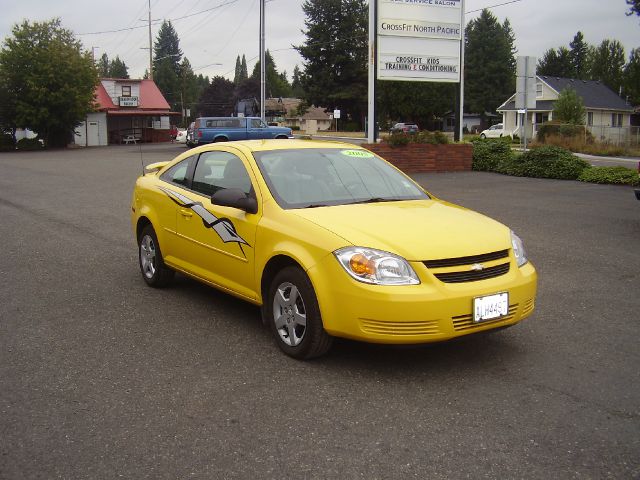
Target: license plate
490, 307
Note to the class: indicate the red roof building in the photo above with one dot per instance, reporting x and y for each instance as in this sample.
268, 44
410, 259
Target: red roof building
127, 111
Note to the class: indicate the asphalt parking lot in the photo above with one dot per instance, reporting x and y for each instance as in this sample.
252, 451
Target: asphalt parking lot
103, 377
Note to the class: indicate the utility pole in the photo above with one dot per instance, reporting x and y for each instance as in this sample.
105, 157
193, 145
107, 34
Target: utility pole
263, 69
150, 46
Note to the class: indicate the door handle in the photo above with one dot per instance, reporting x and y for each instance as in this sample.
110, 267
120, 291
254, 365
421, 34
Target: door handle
186, 213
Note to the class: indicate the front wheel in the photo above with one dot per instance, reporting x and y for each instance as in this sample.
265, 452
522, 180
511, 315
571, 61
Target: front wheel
152, 266
483, 136
294, 315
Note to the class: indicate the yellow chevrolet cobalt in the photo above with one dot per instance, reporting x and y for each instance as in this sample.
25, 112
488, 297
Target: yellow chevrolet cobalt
331, 241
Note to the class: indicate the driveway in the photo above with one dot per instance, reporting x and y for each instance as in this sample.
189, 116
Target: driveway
103, 377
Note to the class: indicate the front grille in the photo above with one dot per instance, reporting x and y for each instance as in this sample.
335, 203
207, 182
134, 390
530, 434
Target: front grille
467, 272
455, 262
381, 327
472, 275
465, 322
528, 307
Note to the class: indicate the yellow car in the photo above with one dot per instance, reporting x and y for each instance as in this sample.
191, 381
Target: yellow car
331, 241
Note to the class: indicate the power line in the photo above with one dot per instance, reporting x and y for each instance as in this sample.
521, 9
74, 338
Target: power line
230, 2
492, 6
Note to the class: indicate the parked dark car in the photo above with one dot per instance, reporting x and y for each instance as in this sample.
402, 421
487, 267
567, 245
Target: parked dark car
404, 128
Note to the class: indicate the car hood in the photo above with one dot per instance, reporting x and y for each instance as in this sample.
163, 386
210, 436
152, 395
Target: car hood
417, 230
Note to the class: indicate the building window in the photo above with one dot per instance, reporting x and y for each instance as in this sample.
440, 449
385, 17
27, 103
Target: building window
541, 118
616, 119
126, 91
590, 119
539, 90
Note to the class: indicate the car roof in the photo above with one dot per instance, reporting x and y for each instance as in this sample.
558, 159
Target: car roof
288, 144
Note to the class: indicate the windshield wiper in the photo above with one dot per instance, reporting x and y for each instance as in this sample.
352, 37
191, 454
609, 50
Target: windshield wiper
374, 200
316, 205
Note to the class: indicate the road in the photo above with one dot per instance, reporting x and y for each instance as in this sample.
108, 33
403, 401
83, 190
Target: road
103, 377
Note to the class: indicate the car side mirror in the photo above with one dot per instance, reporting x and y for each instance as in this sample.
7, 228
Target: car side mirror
236, 198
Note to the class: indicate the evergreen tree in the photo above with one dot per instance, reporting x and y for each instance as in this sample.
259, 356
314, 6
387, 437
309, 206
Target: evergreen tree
244, 73
217, 100
569, 108
236, 76
556, 63
296, 83
579, 53
276, 84
166, 48
634, 7
632, 77
608, 64
166, 64
335, 55
118, 69
103, 66
52, 80
490, 72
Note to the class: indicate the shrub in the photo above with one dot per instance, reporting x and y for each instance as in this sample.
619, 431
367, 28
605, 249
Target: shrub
295, 128
561, 130
490, 156
424, 137
549, 162
6, 143
29, 144
610, 175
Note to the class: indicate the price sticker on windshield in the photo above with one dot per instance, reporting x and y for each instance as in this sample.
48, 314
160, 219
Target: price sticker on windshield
357, 153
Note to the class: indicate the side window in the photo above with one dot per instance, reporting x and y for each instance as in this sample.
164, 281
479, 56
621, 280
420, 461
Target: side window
219, 170
256, 123
179, 173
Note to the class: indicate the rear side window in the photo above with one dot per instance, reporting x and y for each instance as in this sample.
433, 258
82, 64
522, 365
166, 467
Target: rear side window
179, 173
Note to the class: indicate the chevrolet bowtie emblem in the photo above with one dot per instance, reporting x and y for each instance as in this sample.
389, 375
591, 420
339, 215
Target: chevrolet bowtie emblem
477, 267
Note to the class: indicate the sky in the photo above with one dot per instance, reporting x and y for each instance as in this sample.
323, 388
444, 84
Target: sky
215, 32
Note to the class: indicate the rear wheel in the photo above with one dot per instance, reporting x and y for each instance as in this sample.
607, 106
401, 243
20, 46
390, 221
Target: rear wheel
483, 136
152, 266
294, 315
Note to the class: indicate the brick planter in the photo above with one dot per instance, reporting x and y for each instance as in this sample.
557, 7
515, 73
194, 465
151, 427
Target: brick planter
418, 158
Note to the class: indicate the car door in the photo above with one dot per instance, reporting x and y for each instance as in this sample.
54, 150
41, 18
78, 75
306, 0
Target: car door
257, 129
217, 243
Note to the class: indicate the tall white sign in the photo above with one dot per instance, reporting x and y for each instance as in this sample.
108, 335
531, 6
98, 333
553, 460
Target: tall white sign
419, 40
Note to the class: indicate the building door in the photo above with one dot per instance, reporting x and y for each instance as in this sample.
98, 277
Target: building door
93, 134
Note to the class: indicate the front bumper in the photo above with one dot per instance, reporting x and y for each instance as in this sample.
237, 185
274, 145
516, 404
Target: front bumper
430, 312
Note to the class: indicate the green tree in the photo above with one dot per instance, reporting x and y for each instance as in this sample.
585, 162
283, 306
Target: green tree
569, 108
632, 77
118, 69
490, 71
335, 55
556, 63
43, 67
607, 64
296, 83
244, 73
276, 84
236, 76
419, 102
579, 54
217, 100
634, 7
167, 57
103, 66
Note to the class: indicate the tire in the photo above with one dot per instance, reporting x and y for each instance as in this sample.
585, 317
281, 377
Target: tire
220, 139
282, 137
152, 266
483, 136
294, 316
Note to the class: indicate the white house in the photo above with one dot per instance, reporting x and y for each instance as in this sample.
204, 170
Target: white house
608, 117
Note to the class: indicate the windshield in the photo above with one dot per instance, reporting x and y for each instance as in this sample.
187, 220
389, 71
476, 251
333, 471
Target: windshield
305, 178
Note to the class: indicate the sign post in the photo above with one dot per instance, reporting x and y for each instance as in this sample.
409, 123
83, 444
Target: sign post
525, 91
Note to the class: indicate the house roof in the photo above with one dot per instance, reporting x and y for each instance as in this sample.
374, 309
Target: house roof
150, 98
594, 94
541, 105
103, 100
316, 113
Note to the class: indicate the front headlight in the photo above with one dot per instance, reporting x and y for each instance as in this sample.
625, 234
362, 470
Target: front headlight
518, 249
376, 267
